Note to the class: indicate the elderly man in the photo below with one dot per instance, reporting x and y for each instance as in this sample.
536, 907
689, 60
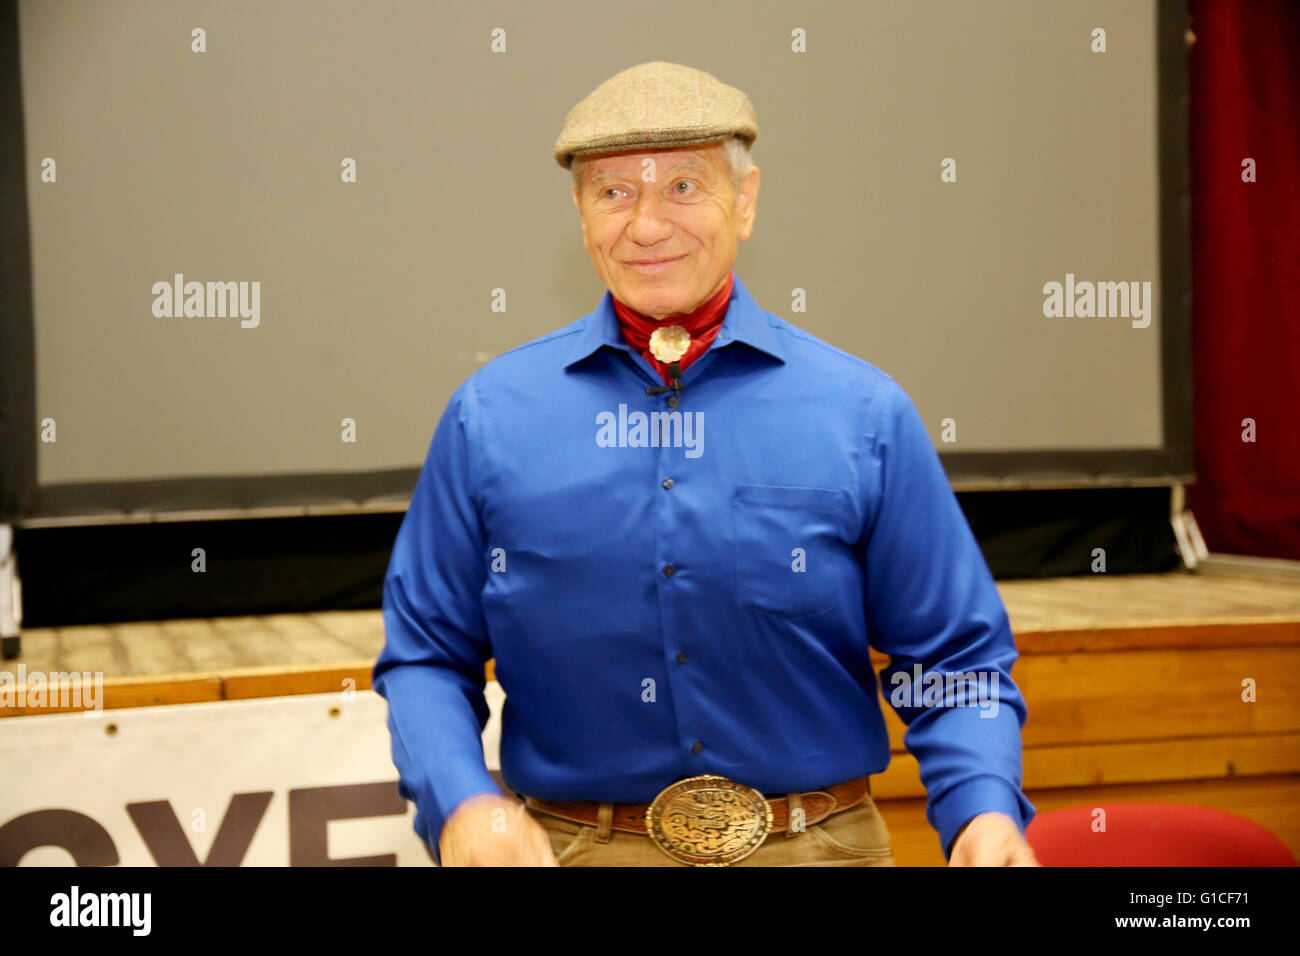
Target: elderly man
678, 525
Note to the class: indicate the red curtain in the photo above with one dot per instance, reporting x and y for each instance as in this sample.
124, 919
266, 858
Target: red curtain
1245, 104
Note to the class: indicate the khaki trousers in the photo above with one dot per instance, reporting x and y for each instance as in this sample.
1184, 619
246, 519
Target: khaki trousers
853, 837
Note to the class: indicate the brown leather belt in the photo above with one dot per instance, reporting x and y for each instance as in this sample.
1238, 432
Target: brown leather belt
631, 817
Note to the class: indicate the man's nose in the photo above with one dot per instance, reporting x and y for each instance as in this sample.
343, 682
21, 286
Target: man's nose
650, 223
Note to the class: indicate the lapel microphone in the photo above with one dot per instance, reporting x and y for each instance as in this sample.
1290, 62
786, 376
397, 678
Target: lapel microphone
674, 373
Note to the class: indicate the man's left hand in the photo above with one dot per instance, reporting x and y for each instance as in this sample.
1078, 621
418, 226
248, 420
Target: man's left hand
991, 839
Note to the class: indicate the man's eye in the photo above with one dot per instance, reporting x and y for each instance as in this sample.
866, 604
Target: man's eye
605, 194
680, 183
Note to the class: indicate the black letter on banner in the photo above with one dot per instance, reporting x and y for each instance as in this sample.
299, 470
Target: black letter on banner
87, 841
311, 809
170, 845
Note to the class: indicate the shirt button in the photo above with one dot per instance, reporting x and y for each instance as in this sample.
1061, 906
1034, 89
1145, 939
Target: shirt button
667, 482
697, 746
669, 570
681, 658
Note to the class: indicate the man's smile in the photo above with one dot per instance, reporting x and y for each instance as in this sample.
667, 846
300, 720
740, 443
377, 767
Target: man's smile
654, 266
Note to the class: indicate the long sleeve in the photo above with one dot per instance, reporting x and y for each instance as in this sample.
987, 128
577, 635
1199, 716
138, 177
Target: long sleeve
931, 601
436, 644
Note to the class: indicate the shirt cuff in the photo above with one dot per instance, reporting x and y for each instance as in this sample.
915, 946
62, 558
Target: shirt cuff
978, 795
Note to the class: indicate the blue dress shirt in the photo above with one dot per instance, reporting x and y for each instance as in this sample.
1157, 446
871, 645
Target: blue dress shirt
671, 595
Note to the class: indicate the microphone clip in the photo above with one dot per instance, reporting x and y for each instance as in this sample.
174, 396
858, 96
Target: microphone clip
675, 374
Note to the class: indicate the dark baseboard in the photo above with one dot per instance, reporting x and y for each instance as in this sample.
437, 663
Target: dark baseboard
108, 573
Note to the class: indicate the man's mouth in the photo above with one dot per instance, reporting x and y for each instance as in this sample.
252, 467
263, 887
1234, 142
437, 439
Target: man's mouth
653, 266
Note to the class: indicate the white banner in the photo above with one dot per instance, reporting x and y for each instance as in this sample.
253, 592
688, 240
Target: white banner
302, 780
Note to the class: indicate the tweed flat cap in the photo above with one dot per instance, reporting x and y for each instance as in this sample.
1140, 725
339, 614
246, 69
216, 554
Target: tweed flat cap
655, 105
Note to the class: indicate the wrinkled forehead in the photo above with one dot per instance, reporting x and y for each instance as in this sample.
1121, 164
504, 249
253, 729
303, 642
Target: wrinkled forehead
702, 161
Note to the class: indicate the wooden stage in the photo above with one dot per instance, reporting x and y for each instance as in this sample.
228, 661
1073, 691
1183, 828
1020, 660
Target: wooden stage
1134, 686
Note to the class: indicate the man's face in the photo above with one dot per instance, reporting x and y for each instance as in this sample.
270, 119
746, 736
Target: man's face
662, 226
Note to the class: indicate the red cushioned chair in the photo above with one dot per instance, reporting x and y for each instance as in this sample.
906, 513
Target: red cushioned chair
1153, 834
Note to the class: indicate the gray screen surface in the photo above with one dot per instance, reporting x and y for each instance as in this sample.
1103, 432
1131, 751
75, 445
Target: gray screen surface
376, 297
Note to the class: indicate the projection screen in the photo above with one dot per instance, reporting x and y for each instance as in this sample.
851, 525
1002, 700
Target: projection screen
369, 188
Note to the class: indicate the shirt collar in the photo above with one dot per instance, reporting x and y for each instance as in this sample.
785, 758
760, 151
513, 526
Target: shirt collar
745, 322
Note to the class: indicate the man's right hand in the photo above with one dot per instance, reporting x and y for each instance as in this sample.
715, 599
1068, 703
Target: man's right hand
489, 829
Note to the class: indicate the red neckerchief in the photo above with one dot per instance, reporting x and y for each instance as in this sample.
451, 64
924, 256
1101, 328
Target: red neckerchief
702, 324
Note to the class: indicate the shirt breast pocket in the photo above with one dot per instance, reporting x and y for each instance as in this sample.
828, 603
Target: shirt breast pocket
788, 553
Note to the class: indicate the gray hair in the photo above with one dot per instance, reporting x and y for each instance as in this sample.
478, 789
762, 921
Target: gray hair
735, 152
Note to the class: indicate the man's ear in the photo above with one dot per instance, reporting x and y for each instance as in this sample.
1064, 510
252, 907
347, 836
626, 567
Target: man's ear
748, 202
581, 221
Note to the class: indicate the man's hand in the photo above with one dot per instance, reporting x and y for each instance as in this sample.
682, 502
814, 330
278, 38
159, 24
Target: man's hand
489, 829
991, 839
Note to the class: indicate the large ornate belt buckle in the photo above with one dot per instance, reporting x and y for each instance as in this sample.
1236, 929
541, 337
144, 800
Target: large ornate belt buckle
708, 820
